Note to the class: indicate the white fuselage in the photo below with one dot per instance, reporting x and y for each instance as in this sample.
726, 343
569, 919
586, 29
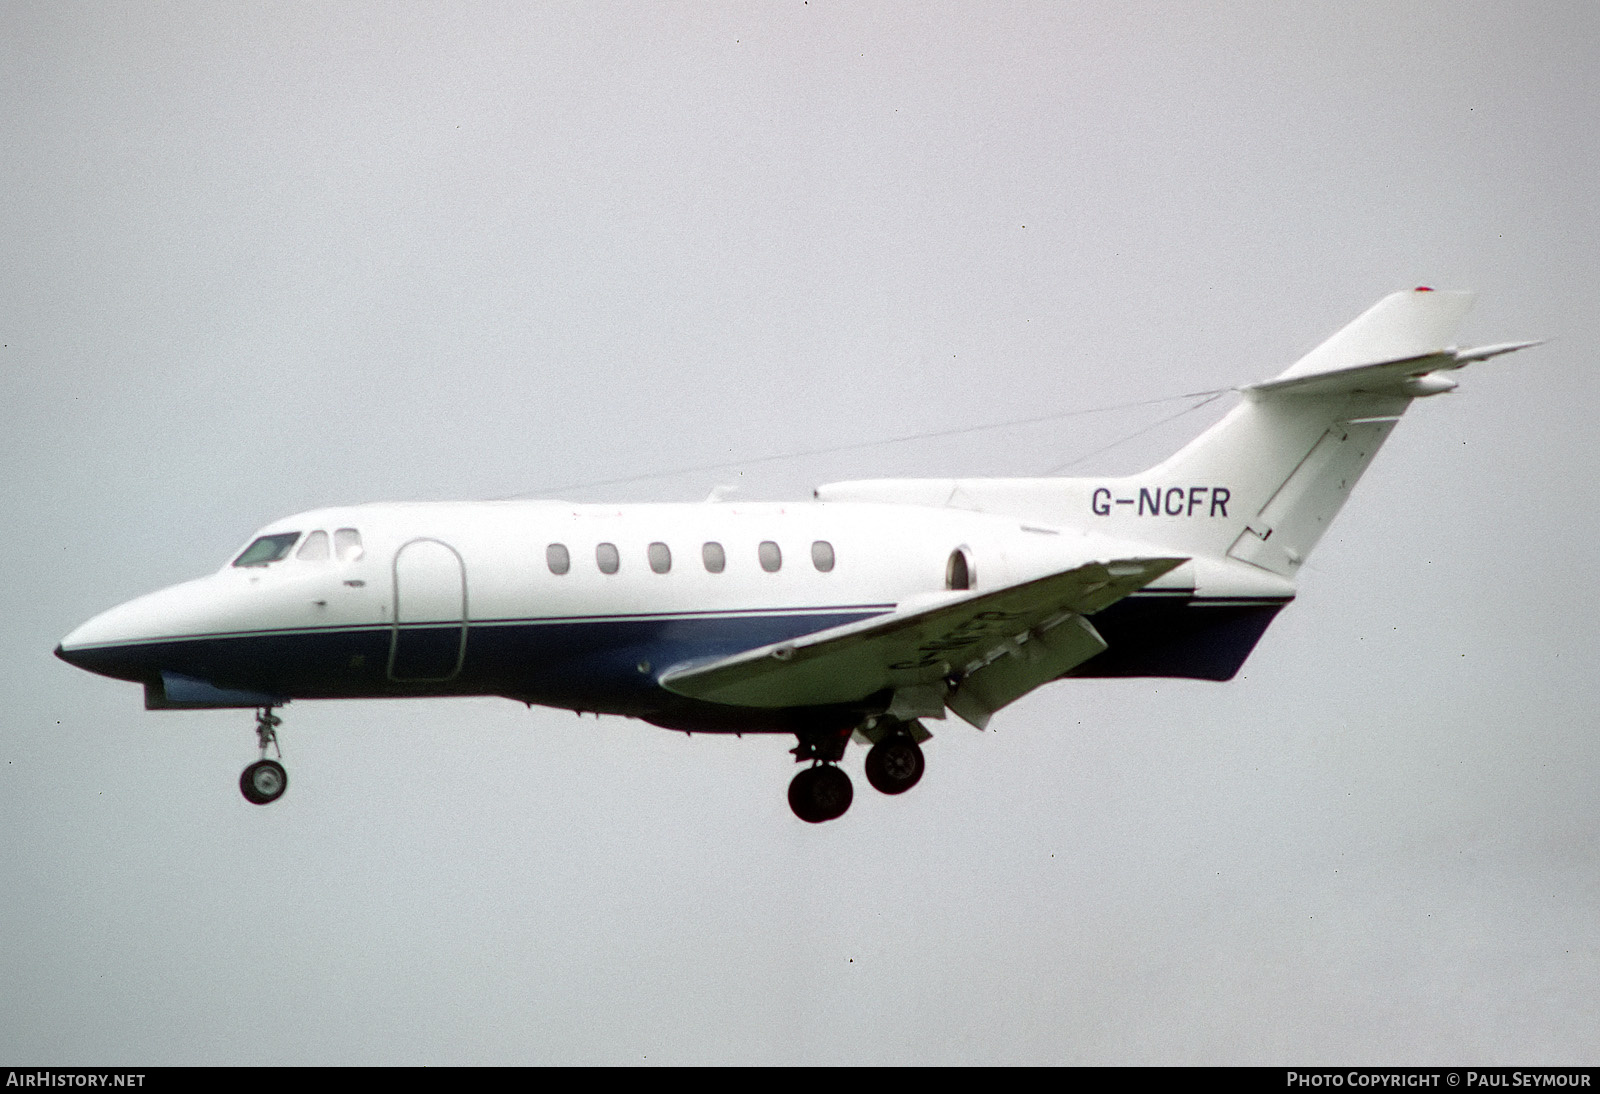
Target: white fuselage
466, 598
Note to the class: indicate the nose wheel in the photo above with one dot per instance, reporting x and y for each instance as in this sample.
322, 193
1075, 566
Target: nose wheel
264, 781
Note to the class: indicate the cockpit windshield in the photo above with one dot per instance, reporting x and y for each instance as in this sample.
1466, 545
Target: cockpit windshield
267, 549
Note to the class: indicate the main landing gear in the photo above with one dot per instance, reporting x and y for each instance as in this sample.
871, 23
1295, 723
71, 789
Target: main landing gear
264, 781
822, 792
895, 763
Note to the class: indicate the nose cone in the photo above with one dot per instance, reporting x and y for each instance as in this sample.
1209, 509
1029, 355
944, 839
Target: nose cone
92, 633
71, 657
105, 645
121, 642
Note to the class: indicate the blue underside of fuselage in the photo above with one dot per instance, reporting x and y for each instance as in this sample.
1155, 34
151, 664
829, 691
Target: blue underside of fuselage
610, 665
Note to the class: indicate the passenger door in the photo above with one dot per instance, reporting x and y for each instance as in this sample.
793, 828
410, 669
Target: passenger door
430, 612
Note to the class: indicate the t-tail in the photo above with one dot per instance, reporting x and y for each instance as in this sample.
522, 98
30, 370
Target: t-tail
1263, 484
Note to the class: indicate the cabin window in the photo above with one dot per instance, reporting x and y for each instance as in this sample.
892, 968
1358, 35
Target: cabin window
267, 549
771, 557
958, 572
607, 558
347, 544
715, 558
557, 557
822, 555
315, 548
660, 557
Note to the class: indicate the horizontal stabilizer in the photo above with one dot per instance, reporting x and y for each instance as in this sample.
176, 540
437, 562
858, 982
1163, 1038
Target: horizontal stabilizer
1412, 376
919, 645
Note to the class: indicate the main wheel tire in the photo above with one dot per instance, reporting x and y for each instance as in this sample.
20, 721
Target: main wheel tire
263, 782
894, 765
820, 793
800, 797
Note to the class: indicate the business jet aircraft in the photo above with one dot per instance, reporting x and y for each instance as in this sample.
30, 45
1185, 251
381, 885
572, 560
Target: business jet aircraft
861, 613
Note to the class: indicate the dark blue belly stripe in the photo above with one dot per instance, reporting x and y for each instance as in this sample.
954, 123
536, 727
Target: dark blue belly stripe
610, 664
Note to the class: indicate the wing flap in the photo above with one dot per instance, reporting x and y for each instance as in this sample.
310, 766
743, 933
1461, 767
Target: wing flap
924, 643
1040, 655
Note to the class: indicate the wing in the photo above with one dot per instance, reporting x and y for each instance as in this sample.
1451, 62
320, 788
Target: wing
996, 646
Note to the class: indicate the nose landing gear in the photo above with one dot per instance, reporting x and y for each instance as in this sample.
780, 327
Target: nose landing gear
264, 781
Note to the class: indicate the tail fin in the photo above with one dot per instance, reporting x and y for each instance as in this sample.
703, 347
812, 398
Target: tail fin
1263, 484
1399, 327
1285, 459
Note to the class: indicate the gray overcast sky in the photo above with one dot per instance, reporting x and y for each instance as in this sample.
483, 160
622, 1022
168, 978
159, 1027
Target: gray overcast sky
258, 258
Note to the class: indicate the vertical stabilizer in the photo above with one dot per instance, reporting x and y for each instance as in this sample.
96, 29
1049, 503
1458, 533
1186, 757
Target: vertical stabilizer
1262, 485
1402, 325
1290, 454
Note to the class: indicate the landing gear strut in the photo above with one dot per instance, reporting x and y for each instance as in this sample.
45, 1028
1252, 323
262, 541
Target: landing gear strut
265, 780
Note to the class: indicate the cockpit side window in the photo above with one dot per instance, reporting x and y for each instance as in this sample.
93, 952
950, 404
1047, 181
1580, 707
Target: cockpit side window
314, 549
347, 544
267, 549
